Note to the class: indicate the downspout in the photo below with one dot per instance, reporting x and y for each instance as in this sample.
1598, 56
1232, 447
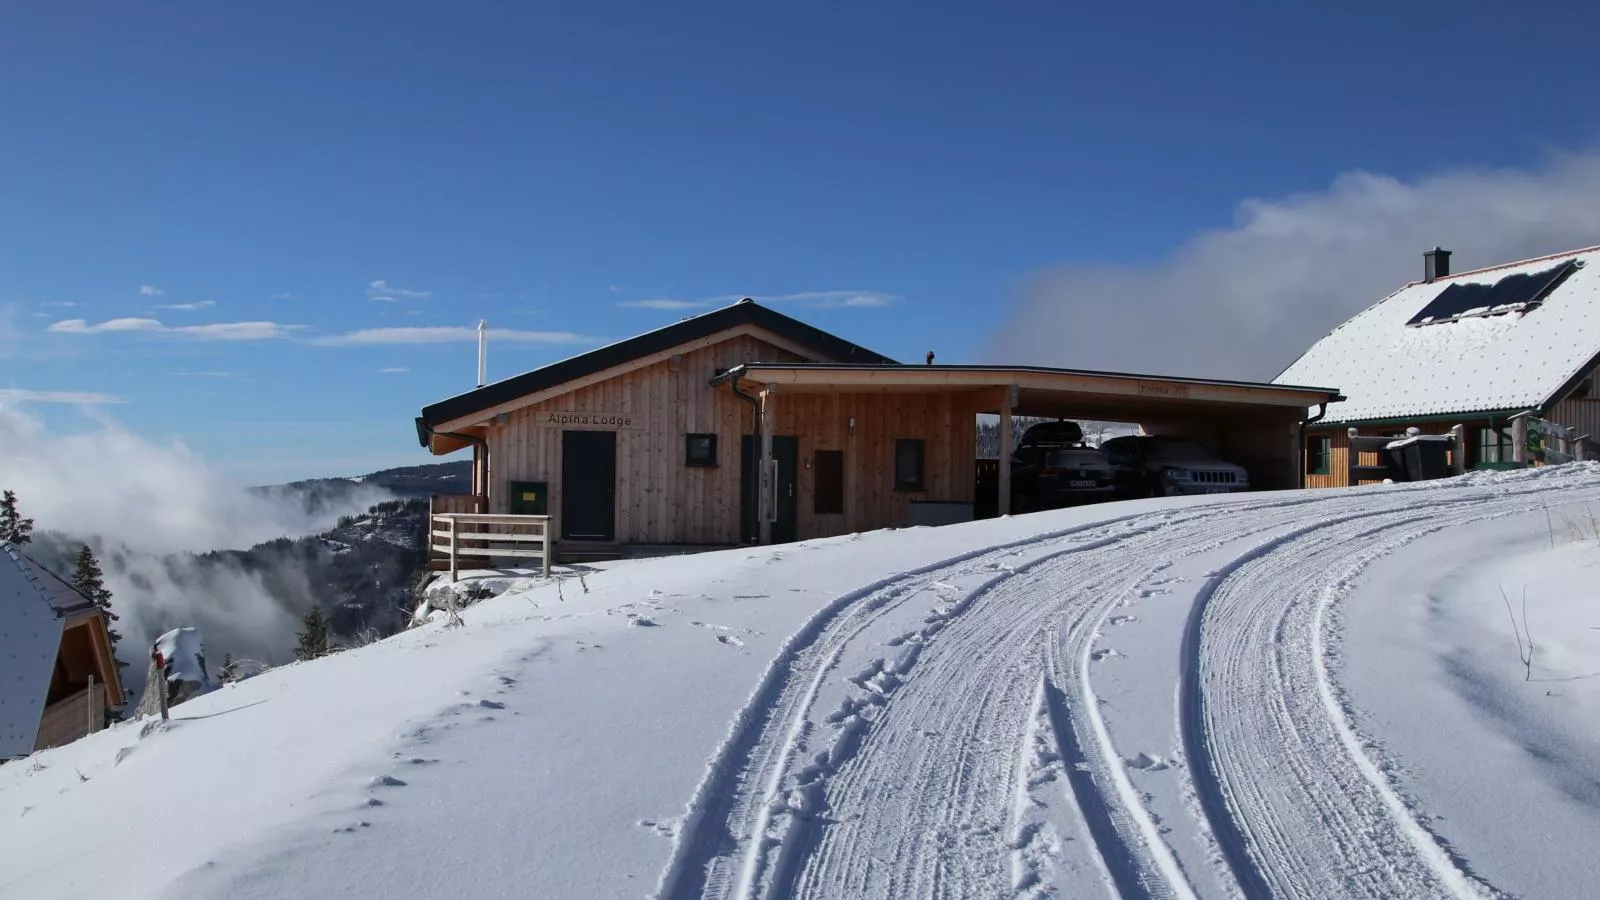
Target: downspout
732, 378
1300, 467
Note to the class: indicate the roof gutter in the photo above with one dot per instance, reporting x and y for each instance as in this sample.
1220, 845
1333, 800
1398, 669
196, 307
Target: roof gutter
732, 378
1300, 467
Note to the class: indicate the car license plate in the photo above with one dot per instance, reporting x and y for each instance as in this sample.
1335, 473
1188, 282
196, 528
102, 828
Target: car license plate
1078, 483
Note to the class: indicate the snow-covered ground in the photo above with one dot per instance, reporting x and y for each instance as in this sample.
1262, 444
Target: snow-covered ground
1317, 694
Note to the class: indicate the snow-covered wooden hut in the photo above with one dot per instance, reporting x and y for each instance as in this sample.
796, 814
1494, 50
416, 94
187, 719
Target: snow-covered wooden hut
58, 676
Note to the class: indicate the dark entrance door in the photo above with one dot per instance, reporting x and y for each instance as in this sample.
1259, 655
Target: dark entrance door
786, 450
589, 485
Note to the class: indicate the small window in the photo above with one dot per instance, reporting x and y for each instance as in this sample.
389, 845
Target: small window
829, 493
1319, 455
700, 450
1494, 445
908, 464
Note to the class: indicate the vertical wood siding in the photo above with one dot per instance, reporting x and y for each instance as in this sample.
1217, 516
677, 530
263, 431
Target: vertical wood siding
659, 499
1339, 457
945, 422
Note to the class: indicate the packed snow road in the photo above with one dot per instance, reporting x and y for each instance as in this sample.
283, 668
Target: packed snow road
1137, 708
1295, 695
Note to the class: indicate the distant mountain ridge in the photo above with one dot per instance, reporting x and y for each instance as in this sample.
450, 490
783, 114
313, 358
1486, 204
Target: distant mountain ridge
317, 496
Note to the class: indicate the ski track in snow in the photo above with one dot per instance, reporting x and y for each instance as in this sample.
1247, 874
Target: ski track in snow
969, 756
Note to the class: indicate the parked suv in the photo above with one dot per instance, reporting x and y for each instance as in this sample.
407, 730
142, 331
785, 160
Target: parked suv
1162, 466
1052, 467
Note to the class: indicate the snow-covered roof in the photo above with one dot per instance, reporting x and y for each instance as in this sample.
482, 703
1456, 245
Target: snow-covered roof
33, 607
1484, 361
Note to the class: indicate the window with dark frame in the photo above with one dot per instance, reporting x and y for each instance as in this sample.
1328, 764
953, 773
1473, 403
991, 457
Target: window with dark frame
1319, 455
908, 464
700, 451
1495, 445
828, 496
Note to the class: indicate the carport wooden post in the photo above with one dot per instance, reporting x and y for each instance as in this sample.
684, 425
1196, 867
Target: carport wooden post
1519, 439
1005, 449
768, 484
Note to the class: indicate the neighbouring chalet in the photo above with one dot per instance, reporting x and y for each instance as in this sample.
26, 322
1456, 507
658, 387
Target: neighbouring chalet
1480, 350
743, 425
59, 677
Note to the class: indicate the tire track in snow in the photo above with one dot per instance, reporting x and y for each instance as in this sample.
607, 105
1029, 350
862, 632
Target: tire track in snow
1296, 806
924, 813
721, 815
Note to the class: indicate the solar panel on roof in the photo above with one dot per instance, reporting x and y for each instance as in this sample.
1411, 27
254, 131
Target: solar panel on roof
1513, 293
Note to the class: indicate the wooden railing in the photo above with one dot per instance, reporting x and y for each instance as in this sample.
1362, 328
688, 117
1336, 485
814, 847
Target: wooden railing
455, 535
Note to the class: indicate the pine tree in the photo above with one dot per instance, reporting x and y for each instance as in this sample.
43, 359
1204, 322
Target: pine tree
90, 582
229, 671
314, 639
13, 527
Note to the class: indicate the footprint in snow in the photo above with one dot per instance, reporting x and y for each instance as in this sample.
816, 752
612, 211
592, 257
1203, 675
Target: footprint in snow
386, 781
729, 640
637, 621
1121, 620
1107, 653
1149, 762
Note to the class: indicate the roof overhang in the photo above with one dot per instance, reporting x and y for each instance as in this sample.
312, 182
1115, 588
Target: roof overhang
478, 406
1069, 393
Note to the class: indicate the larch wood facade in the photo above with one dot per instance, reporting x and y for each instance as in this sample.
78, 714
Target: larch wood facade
661, 500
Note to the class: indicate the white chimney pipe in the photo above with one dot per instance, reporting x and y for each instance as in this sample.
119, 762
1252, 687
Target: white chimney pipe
483, 350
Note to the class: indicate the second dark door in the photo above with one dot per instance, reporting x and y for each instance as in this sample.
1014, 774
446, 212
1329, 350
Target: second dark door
786, 450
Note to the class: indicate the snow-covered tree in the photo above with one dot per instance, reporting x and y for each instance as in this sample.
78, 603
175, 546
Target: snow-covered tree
13, 527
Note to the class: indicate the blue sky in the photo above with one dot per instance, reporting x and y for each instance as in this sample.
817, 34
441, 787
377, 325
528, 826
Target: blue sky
339, 178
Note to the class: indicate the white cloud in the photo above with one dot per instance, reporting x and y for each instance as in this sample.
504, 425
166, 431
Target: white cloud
150, 290
615, 288
188, 307
393, 370
811, 299
446, 334
384, 299
205, 374
63, 303
284, 297
220, 331
379, 289
72, 398
1247, 300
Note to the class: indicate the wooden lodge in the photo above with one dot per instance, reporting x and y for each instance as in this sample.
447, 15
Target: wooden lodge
743, 425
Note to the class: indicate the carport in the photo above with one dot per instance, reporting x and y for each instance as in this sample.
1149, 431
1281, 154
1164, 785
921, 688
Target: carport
1256, 425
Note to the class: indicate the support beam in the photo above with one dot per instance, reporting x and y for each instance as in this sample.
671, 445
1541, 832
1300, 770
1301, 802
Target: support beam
1519, 439
768, 482
1006, 442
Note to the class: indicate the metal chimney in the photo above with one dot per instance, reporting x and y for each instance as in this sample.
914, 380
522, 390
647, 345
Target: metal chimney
483, 350
1435, 264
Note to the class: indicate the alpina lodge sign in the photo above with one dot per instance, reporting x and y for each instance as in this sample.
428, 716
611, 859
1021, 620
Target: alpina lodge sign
588, 420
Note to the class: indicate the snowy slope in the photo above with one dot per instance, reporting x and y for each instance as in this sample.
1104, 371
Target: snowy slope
1175, 698
1514, 361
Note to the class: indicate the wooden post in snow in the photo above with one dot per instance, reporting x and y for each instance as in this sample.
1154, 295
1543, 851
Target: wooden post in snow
1519, 439
91, 703
1458, 441
454, 559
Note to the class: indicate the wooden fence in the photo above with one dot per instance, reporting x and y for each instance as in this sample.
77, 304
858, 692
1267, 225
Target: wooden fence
455, 535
